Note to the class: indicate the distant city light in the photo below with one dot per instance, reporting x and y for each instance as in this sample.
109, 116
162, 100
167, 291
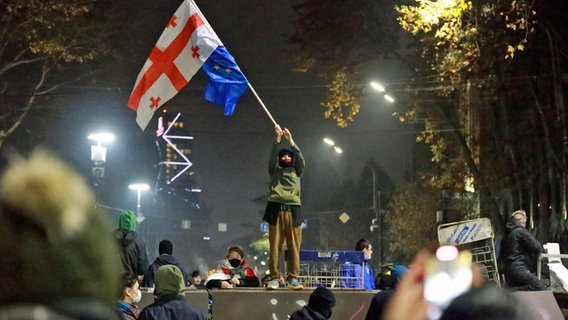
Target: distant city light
206, 238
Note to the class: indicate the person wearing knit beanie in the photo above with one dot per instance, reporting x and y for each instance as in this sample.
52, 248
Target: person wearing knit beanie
57, 255
170, 302
319, 306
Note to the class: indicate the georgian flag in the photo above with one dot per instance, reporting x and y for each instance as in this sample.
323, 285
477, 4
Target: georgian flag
187, 42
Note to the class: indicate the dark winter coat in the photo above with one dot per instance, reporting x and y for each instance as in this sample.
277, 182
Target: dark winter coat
306, 313
171, 307
132, 251
160, 261
520, 250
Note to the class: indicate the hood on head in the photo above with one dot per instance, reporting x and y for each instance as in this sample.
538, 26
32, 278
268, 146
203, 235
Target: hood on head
322, 300
169, 281
127, 220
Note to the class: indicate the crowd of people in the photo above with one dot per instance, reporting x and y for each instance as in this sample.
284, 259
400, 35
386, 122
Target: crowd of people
53, 244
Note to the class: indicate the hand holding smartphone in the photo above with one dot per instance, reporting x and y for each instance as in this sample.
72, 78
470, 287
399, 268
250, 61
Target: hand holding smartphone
447, 275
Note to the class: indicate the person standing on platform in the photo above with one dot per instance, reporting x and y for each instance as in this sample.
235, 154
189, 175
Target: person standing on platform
285, 166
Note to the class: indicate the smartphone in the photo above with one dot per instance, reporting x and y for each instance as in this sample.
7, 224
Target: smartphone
448, 274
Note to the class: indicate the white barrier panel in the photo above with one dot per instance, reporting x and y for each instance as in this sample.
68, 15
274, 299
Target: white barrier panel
465, 231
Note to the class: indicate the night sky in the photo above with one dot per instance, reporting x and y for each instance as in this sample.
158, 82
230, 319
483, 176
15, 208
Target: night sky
230, 153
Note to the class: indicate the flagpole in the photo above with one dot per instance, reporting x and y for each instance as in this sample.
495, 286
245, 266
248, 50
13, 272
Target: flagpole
261, 103
249, 85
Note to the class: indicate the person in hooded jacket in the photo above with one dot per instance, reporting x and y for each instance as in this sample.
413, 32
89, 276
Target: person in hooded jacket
319, 306
132, 249
235, 267
520, 251
170, 303
283, 210
165, 249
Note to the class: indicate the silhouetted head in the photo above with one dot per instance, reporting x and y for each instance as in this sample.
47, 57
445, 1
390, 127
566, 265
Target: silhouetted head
285, 158
322, 300
486, 303
165, 247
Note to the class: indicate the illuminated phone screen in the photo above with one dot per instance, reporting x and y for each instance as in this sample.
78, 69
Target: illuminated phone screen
448, 274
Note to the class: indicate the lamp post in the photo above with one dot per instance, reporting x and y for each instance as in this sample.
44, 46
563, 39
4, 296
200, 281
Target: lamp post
376, 223
332, 144
98, 157
139, 187
380, 88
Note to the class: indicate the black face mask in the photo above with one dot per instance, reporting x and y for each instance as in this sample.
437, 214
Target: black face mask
289, 163
235, 262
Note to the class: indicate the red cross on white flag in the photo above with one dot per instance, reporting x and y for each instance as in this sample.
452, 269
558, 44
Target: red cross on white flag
187, 41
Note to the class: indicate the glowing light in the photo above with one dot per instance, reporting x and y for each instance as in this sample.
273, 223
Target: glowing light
377, 86
329, 141
447, 253
138, 186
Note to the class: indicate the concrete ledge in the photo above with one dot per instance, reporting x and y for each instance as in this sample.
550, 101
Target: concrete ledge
278, 304
259, 303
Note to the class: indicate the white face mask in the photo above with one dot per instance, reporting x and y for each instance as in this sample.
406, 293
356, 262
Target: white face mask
137, 297
368, 256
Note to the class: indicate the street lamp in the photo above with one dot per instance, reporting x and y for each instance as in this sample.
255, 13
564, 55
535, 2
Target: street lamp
377, 86
98, 157
139, 187
380, 88
98, 152
376, 223
332, 143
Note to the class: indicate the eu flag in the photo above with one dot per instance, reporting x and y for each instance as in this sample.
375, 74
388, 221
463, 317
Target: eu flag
226, 81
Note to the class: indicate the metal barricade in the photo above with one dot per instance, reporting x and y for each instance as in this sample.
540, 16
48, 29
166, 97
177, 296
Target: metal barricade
476, 236
331, 268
